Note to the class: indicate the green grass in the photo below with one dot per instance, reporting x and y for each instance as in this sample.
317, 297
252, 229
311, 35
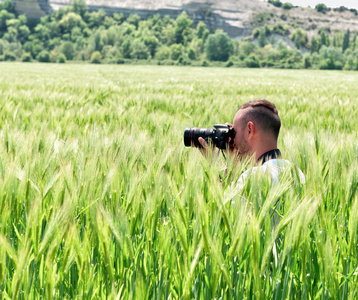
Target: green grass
99, 198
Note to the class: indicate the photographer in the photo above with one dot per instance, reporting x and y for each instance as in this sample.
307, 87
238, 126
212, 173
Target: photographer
256, 127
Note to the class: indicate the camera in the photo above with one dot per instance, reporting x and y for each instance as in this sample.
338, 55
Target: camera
219, 137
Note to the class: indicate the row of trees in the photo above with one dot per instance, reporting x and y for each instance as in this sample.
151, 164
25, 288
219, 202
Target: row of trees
320, 7
75, 33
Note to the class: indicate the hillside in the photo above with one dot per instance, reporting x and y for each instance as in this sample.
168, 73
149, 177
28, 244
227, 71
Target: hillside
236, 17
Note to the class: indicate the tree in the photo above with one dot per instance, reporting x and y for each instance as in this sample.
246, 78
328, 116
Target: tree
23, 33
152, 43
247, 47
5, 15
331, 58
321, 7
79, 7
315, 44
11, 35
7, 5
126, 48
176, 51
139, 50
201, 31
119, 18
68, 50
163, 53
96, 18
324, 38
299, 37
96, 42
42, 32
218, 47
134, 19
70, 21
262, 38
182, 29
345, 45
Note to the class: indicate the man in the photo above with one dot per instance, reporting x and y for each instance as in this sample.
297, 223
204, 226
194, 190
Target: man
257, 126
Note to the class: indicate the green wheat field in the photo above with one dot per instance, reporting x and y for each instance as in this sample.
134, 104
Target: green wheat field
100, 199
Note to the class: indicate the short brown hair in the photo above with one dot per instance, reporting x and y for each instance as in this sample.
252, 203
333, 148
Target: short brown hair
264, 114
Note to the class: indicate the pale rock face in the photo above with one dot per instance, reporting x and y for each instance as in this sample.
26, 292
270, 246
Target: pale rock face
34, 9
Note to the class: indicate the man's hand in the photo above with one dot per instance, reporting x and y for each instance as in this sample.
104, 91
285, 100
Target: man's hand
206, 148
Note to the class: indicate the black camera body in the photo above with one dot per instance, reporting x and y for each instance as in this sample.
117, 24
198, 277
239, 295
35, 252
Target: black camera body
218, 137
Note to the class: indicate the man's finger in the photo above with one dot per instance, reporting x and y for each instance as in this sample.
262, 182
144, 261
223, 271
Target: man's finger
203, 142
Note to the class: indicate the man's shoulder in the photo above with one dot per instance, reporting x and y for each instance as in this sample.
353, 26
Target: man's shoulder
273, 168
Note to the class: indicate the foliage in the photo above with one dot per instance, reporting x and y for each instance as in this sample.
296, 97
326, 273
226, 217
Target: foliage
139, 50
163, 53
43, 56
299, 37
61, 58
183, 29
68, 50
9, 56
7, 5
26, 57
77, 33
252, 61
332, 58
96, 57
287, 5
321, 7
218, 47
276, 3
345, 44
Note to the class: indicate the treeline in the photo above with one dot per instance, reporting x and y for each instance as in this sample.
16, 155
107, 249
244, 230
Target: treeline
76, 34
320, 7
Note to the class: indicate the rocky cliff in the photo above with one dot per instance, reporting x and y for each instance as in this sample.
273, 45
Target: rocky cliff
236, 17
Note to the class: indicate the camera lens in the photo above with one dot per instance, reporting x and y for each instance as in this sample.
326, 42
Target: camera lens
192, 134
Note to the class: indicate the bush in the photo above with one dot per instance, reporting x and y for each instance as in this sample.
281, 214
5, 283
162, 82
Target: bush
120, 61
9, 56
321, 8
139, 50
287, 5
252, 62
183, 60
192, 54
96, 57
176, 51
163, 53
205, 63
43, 56
229, 63
61, 58
26, 57
276, 3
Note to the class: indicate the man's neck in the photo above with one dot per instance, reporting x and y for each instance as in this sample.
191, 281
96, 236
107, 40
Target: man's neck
271, 154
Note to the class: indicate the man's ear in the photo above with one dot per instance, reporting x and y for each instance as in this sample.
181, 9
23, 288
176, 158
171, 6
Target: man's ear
251, 129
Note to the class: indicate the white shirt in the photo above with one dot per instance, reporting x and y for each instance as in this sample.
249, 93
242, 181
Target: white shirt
271, 169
